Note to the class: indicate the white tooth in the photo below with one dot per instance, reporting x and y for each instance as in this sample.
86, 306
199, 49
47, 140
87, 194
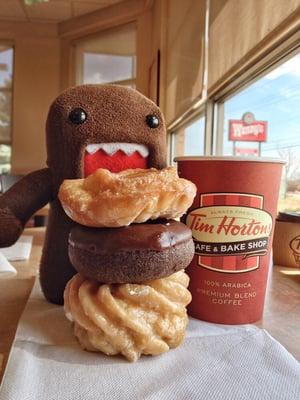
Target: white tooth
142, 149
130, 148
92, 148
112, 148
127, 148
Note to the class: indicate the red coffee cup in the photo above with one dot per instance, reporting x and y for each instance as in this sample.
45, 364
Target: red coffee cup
232, 220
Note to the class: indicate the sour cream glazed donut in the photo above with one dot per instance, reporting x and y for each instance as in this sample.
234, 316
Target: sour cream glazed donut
106, 199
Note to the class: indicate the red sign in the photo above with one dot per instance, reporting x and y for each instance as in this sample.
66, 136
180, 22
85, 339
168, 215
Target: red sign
239, 151
256, 131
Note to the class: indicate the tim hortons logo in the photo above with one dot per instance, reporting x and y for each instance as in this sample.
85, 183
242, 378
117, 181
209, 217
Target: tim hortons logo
227, 230
295, 247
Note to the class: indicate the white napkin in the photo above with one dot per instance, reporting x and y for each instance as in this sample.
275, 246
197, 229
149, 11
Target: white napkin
215, 362
6, 269
17, 252
20, 250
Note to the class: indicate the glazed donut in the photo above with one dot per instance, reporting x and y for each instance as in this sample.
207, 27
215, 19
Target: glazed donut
128, 319
106, 199
132, 254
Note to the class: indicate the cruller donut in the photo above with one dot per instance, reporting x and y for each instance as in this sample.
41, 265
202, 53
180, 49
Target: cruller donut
106, 199
129, 319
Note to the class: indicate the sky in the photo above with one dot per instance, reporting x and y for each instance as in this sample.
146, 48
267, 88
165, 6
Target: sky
195, 144
103, 68
6, 64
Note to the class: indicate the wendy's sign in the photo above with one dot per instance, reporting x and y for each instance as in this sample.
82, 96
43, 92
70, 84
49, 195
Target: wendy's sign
241, 151
247, 129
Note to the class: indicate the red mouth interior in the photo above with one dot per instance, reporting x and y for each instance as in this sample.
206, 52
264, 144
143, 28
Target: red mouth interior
116, 162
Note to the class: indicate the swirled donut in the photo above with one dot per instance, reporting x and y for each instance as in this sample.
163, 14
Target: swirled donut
128, 319
106, 199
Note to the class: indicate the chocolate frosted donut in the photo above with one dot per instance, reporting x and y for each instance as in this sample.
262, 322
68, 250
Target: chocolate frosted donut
133, 254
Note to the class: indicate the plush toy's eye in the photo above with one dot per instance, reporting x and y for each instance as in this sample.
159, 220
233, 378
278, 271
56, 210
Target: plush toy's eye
77, 116
152, 121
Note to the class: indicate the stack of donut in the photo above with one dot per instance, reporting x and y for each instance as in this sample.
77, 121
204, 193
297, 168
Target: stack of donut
130, 294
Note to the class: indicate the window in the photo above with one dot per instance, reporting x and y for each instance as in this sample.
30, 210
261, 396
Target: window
275, 98
6, 77
189, 139
109, 57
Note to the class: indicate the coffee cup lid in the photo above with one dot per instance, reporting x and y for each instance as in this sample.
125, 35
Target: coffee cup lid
230, 158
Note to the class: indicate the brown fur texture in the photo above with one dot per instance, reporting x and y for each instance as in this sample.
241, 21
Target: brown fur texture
21, 201
115, 114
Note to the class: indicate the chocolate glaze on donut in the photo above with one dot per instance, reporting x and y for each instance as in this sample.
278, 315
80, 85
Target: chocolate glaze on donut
132, 254
156, 235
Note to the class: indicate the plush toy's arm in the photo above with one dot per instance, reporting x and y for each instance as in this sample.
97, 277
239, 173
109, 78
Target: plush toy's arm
21, 201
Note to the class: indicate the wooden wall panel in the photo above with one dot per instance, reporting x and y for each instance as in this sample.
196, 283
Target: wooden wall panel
36, 84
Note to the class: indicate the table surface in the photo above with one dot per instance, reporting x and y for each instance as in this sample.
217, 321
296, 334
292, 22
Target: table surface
281, 316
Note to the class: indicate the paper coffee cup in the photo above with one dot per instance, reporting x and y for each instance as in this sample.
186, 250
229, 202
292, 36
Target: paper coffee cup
286, 243
232, 221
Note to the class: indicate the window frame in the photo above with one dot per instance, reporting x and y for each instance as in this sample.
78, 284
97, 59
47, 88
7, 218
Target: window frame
274, 59
10, 90
213, 105
201, 113
78, 57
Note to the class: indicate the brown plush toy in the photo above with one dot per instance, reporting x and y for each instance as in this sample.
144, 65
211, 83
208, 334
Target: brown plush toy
88, 127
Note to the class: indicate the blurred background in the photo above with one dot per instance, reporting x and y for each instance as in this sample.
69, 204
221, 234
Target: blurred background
226, 73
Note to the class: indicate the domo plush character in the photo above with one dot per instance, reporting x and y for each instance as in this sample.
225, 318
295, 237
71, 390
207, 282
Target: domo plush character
88, 127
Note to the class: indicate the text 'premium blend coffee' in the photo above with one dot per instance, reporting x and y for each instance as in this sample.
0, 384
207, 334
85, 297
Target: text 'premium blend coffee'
232, 220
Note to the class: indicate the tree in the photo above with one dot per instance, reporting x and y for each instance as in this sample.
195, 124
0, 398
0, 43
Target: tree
292, 160
292, 168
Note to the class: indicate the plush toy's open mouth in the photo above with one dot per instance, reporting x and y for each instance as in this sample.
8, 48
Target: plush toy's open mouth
115, 157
